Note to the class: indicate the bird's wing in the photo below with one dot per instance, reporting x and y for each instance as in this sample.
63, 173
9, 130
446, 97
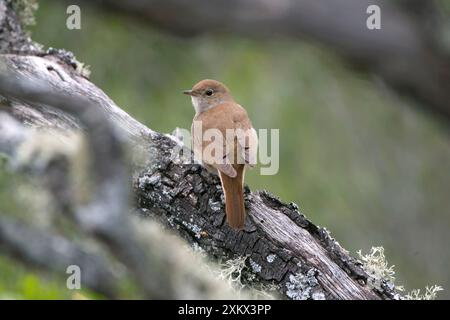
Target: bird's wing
246, 137
227, 138
211, 145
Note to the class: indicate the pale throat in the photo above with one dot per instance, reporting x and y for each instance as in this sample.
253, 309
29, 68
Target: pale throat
201, 105
196, 103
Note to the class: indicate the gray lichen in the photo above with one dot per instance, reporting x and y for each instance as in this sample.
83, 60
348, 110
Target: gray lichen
214, 205
145, 181
196, 230
255, 266
196, 248
300, 286
14, 17
318, 296
271, 258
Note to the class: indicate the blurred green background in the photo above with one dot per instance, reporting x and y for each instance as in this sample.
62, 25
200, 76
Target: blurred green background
358, 159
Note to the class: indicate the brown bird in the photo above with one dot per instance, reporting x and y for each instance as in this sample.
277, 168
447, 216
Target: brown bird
224, 141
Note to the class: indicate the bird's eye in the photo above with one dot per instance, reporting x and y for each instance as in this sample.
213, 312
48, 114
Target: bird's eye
209, 92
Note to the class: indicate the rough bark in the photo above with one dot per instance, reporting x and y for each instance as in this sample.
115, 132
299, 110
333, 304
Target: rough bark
281, 245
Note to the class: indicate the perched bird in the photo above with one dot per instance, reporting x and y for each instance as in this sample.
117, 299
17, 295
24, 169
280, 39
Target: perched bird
224, 141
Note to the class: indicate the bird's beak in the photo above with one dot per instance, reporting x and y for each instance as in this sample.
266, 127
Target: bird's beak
188, 92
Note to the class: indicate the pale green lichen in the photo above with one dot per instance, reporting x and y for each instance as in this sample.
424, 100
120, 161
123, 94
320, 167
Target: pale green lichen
196, 230
241, 278
42, 147
376, 266
83, 69
25, 9
429, 294
232, 272
255, 266
69, 58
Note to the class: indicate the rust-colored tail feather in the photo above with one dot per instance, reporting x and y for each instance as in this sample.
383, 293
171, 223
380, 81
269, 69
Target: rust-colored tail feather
234, 197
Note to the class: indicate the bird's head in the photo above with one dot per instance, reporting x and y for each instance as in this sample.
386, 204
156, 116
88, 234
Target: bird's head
207, 94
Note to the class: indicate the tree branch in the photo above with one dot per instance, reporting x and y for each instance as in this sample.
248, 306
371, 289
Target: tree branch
280, 246
104, 215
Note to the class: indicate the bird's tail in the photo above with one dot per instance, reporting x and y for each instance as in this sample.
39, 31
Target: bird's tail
234, 197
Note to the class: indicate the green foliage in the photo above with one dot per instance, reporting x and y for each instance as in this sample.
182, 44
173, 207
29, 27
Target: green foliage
18, 283
360, 160
8, 185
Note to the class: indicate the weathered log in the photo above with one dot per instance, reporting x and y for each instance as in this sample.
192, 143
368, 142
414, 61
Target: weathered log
282, 247
153, 259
